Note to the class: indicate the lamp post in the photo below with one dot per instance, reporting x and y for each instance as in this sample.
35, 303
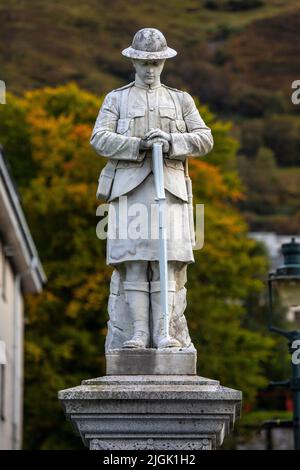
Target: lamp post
285, 282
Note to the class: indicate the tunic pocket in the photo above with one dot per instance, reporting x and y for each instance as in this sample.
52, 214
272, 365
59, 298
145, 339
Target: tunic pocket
168, 112
167, 118
123, 125
136, 112
180, 124
137, 119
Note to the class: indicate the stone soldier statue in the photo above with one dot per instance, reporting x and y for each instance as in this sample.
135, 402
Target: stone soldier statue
130, 121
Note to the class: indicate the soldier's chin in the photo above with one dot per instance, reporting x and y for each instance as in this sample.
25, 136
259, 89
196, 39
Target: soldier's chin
149, 81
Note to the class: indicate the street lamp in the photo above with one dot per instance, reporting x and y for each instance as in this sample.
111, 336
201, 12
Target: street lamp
285, 284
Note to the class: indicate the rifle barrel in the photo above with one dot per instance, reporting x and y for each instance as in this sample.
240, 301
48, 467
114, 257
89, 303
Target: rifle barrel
157, 159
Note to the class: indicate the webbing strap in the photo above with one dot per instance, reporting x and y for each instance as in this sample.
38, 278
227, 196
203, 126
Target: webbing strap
177, 103
124, 103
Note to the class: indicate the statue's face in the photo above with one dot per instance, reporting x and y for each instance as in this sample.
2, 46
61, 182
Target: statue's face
148, 70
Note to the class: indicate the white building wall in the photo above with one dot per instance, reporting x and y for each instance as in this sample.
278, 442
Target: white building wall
11, 334
273, 243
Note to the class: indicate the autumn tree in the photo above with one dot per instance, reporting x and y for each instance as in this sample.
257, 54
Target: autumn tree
46, 134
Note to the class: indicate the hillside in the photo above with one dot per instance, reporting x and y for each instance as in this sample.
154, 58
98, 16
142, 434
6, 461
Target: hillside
239, 57
48, 43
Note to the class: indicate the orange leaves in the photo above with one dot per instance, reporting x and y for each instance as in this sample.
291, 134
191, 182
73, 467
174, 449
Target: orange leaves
77, 191
91, 295
210, 184
60, 122
81, 132
208, 176
68, 320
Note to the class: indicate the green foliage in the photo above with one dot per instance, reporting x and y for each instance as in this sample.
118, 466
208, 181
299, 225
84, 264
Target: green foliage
233, 5
282, 135
261, 178
224, 58
270, 172
251, 136
256, 102
248, 428
66, 324
55, 42
227, 272
15, 139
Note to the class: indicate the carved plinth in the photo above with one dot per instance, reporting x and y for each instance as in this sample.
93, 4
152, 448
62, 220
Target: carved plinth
151, 412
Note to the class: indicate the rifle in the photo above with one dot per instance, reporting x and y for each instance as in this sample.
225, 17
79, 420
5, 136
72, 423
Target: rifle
157, 160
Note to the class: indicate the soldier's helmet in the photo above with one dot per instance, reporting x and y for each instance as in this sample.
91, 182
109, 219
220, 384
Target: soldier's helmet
150, 44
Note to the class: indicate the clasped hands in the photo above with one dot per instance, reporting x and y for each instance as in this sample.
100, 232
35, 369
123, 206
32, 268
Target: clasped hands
153, 136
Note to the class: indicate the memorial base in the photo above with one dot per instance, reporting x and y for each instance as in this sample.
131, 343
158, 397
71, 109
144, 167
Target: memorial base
151, 412
150, 361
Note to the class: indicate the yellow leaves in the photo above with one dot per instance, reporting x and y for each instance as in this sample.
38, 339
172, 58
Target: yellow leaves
61, 121
34, 304
67, 321
91, 294
50, 144
79, 188
103, 331
81, 132
64, 100
34, 353
200, 172
77, 191
210, 184
69, 166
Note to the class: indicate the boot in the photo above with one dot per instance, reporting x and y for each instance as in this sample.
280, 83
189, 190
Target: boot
137, 296
160, 341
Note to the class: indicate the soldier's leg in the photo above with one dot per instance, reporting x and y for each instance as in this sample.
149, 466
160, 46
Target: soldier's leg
155, 270
158, 336
136, 288
136, 271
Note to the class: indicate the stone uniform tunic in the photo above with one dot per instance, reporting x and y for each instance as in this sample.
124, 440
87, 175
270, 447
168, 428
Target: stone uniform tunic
126, 115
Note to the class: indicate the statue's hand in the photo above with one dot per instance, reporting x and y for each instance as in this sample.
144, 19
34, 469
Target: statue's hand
165, 143
146, 144
158, 134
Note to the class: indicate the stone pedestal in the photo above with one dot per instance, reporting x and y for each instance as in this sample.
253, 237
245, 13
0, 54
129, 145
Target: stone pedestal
182, 412
170, 361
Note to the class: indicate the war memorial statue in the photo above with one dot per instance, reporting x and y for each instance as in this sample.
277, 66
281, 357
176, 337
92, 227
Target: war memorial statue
131, 120
151, 397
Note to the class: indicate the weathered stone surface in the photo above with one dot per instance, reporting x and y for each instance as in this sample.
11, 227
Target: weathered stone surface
120, 327
173, 361
134, 121
151, 412
150, 444
149, 43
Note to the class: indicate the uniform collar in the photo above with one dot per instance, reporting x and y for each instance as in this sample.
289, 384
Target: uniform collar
138, 83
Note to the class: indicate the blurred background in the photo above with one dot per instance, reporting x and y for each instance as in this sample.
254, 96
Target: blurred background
238, 58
